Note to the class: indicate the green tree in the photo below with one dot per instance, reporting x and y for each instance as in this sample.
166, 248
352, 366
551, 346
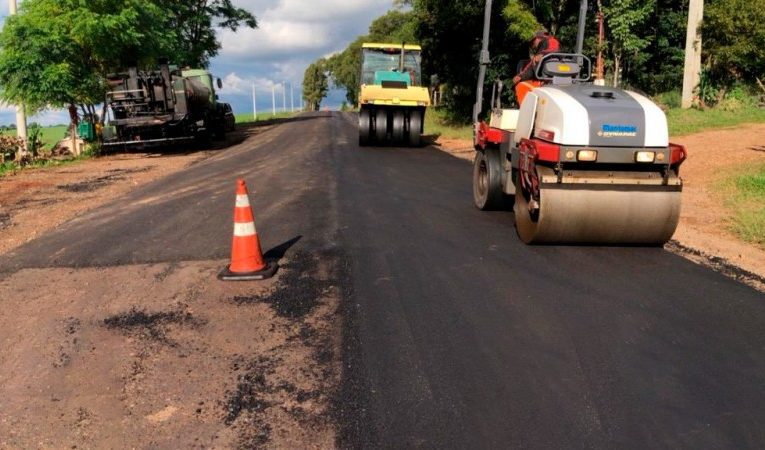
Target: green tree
733, 36
395, 26
194, 24
315, 85
344, 68
55, 53
644, 46
527, 16
451, 35
659, 66
522, 23
624, 19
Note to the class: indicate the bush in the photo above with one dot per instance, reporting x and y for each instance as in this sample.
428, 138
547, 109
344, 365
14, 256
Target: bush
35, 145
738, 98
669, 100
708, 90
92, 150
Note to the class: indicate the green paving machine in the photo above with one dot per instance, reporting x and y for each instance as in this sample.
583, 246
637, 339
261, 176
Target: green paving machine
392, 100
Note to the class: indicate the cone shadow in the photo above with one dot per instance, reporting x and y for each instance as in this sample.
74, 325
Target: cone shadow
278, 252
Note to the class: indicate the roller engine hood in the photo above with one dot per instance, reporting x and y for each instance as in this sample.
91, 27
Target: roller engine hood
597, 116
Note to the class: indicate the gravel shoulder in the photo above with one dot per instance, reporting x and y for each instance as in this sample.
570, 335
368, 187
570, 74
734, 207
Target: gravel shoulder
703, 234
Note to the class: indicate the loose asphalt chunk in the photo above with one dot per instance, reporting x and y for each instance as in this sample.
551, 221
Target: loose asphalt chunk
297, 291
5, 221
151, 326
94, 184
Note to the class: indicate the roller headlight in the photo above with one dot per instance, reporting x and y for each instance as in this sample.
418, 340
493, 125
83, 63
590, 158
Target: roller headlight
587, 155
645, 157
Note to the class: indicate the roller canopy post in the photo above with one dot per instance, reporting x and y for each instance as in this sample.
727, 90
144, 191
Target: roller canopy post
401, 58
483, 61
582, 25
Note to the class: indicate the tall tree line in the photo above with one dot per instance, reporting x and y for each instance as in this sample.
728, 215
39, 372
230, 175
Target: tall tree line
644, 47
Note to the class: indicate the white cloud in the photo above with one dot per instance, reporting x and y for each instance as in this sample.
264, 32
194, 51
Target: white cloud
275, 39
288, 29
233, 84
312, 11
52, 117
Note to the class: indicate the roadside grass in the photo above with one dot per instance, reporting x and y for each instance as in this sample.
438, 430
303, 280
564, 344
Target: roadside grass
745, 196
11, 168
49, 135
681, 121
437, 125
248, 117
688, 121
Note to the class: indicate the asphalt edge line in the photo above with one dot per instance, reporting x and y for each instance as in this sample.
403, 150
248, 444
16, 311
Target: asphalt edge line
718, 264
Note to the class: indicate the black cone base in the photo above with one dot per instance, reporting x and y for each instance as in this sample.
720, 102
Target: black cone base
265, 273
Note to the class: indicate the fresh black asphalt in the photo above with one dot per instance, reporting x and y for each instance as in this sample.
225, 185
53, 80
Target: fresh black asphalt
456, 334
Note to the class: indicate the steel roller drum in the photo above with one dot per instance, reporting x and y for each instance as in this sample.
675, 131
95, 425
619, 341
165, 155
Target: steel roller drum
630, 214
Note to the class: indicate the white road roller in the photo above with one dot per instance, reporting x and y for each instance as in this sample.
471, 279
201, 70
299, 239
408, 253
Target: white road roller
583, 163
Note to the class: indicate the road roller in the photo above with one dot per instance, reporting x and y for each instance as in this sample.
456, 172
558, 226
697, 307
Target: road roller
392, 100
580, 162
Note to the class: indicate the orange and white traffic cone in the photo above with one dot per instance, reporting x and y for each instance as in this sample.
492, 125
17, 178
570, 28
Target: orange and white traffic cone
247, 262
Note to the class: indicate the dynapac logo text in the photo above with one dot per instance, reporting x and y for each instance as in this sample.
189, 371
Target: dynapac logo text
608, 130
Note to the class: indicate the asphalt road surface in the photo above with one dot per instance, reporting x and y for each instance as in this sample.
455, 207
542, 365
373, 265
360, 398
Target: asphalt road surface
456, 334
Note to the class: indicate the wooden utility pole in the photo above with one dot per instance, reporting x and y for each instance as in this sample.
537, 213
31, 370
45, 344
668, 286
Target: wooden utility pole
692, 74
21, 114
600, 71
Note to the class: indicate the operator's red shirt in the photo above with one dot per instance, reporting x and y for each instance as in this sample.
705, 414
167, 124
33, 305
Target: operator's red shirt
548, 44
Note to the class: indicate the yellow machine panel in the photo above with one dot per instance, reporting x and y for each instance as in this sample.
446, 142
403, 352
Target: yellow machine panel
378, 95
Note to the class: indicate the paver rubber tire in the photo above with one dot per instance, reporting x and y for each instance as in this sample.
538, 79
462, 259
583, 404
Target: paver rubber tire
365, 126
415, 128
381, 125
398, 128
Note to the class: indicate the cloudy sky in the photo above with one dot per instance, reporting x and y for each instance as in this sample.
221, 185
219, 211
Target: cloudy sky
291, 34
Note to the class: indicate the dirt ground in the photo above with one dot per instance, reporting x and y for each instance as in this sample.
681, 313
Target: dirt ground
162, 355
703, 234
